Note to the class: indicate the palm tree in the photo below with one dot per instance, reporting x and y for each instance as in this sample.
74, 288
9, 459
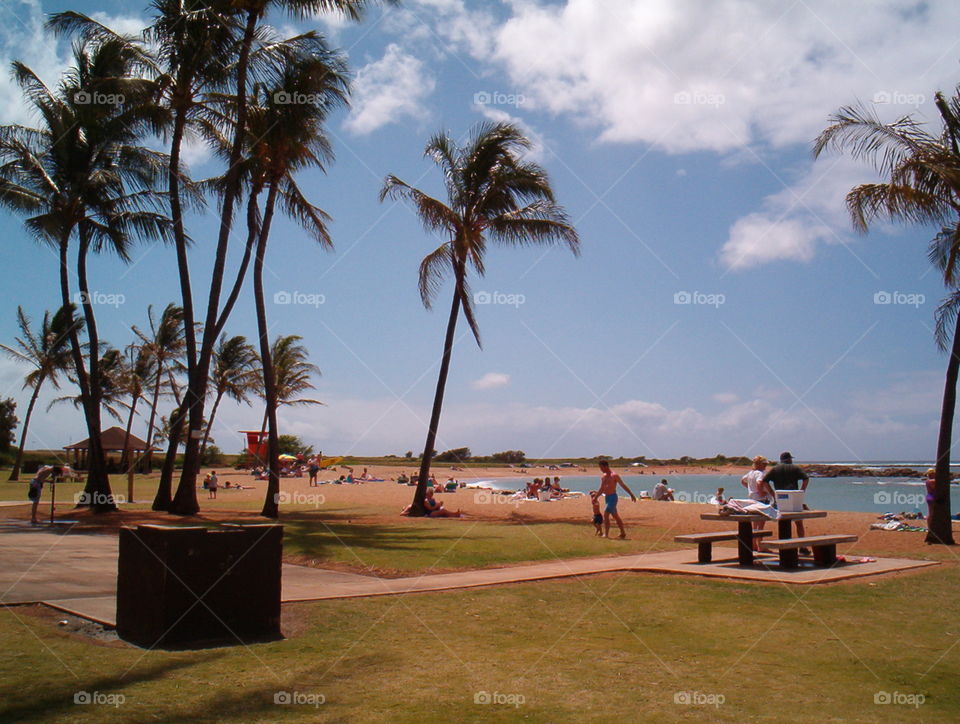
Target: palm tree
922, 172
291, 375
49, 354
287, 137
234, 375
491, 191
165, 343
82, 172
251, 14
139, 366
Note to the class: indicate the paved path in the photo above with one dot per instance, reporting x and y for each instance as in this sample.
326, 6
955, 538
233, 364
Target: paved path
77, 572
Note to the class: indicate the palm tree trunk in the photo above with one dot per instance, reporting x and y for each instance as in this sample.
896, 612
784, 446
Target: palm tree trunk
206, 433
939, 527
15, 473
98, 486
421, 491
127, 460
96, 466
185, 501
270, 507
164, 498
153, 416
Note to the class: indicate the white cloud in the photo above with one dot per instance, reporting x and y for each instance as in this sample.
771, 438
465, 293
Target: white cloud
726, 398
794, 221
389, 89
720, 74
491, 380
23, 38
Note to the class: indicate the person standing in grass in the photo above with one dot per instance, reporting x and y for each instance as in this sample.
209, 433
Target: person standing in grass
609, 481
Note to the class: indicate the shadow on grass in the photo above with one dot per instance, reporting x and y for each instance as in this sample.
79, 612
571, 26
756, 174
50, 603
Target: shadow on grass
58, 697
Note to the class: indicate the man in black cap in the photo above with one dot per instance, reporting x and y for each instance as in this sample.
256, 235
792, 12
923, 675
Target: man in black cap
787, 476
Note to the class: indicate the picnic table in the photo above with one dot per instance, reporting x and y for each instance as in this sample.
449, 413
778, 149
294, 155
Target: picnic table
745, 523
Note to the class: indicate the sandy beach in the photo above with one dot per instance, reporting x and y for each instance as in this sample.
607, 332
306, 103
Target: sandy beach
382, 501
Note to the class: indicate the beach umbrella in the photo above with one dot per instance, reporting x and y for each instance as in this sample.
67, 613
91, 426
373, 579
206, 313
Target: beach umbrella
286, 458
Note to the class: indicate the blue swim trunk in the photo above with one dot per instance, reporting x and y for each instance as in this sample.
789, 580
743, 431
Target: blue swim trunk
611, 499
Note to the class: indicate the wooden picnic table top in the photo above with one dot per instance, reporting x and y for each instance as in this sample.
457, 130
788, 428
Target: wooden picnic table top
799, 515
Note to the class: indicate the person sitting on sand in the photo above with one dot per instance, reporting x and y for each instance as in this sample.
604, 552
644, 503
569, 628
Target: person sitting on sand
533, 489
402, 479
609, 481
597, 517
435, 508
662, 492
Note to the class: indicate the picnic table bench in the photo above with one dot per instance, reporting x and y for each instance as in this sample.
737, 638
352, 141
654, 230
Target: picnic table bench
824, 548
705, 541
745, 531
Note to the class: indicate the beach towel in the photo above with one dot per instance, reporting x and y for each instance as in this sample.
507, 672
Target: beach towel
747, 505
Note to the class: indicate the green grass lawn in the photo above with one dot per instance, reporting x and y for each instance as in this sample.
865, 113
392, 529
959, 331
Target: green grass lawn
628, 647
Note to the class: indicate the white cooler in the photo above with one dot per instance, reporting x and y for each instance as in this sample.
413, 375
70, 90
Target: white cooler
790, 501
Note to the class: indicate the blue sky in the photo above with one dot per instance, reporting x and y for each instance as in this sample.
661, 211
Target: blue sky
721, 302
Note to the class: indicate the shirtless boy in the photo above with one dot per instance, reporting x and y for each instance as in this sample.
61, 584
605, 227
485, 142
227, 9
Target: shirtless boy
608, 489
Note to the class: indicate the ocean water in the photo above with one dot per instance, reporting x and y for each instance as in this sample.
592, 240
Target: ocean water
868, 495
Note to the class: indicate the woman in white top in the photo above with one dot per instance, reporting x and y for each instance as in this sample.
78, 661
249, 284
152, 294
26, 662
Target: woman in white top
757, 489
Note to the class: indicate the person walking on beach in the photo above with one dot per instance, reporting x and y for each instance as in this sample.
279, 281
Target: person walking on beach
609, 481
787, 476
597, 516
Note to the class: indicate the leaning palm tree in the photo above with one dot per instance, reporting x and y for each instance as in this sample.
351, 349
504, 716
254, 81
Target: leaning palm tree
291, 373
492, 191
49, 353
235, 375
922, 172
83, 173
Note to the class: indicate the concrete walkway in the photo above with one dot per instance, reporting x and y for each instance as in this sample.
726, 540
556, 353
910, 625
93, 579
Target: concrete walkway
76, 572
